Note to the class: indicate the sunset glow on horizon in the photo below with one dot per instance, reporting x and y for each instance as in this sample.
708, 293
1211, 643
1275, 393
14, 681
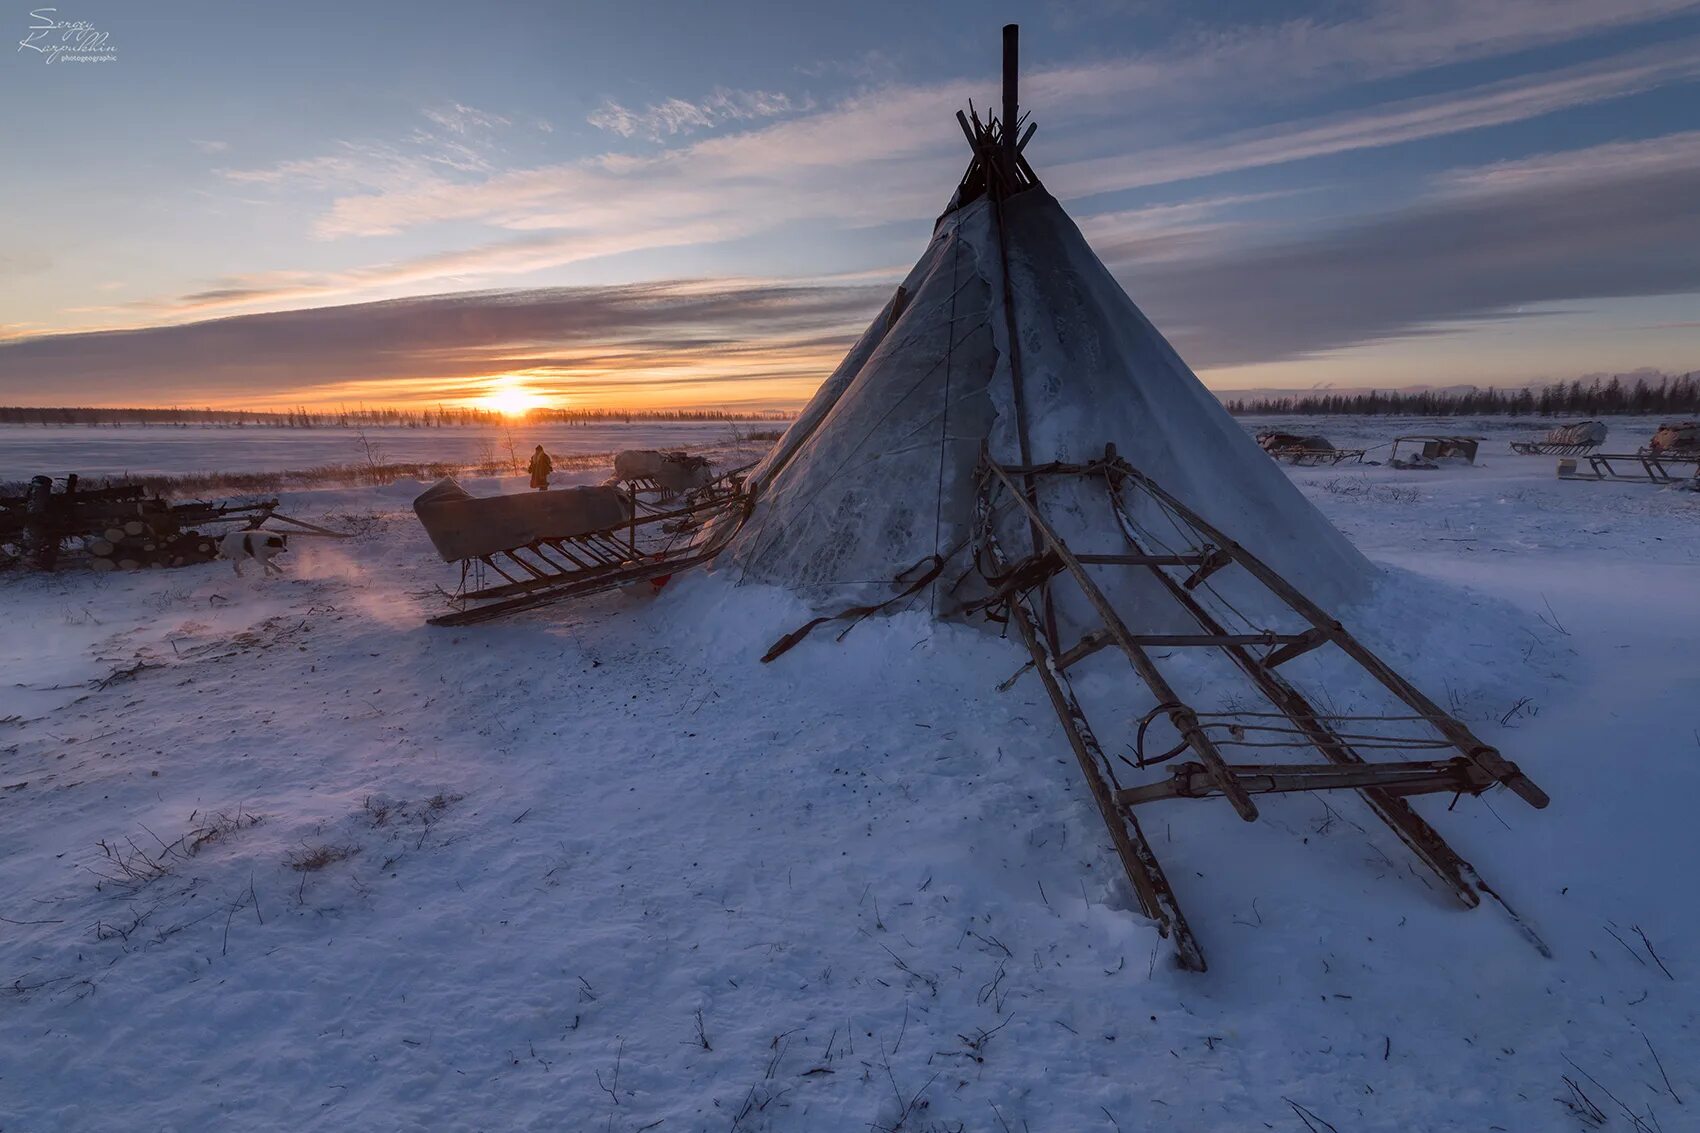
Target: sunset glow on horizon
511, 397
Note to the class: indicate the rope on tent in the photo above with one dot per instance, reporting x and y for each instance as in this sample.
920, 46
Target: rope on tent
1236, 727
855, 614
944, 414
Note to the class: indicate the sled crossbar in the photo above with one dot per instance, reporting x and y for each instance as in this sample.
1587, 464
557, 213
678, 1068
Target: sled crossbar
1191, 781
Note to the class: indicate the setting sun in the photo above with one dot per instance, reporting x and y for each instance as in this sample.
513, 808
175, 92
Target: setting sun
511, 397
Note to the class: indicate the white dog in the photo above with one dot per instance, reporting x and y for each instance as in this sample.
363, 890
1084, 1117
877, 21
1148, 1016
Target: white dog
261, 545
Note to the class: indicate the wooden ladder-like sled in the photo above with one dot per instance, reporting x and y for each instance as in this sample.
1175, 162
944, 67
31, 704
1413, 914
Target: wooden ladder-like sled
1020, 591
1552, 448
1318, 456
1646, 467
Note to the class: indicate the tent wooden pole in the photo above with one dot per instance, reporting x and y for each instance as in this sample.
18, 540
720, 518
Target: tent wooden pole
1011, 72
1144, 872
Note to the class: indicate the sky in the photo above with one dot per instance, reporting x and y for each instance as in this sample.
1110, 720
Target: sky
695, 204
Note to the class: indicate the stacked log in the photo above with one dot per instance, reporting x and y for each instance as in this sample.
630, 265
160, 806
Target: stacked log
120, 548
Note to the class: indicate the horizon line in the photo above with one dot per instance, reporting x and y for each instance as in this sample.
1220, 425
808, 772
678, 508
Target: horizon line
466, 413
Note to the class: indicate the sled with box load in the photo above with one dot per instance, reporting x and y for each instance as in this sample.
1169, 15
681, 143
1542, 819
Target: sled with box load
1566, 440
1429, 451
548, 546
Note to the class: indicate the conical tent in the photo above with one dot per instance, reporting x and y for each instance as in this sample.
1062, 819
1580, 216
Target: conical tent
1012, 433
877, 476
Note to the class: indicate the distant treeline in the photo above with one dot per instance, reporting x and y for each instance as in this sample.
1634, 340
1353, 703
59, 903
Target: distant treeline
441, 416
1673, 396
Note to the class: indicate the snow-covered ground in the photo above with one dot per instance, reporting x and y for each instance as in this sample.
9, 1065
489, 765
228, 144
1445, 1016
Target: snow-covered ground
317, 865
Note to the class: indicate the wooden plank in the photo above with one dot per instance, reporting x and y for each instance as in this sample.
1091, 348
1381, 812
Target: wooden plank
302, 523
1185, 721
1141, 560
967, 131
1418, 836
1214, 561
1191, 780
1150, 885
1470, 744
1296, 646
1098, 640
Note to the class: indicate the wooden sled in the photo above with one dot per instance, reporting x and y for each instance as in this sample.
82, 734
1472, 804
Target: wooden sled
1319, 456
1431, 451
654, 543
1549, 448
1645, 467
1463, 764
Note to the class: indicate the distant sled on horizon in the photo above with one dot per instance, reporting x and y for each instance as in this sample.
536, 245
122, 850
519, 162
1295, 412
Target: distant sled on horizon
1566, 440
661, 474
1676, 439
1672, 456
1432, 451
1314, 449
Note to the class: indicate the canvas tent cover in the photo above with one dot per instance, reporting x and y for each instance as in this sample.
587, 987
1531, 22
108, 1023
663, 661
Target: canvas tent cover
877, 474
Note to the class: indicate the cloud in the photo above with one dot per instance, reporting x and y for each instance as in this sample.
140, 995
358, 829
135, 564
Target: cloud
458, 118
1291, 59
1611, 162
1180, 231
871, 66
660, 121
1493, 104
1613, 221
686, 334
797, 171
890, 155
1480, 251
460, 144
209, 146
800, 169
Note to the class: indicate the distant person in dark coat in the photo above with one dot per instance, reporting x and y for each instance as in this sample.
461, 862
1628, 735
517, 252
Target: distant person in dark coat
540, 467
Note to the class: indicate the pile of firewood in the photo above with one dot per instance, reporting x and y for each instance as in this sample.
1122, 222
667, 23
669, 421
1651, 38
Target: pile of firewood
117, 527
134, 545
